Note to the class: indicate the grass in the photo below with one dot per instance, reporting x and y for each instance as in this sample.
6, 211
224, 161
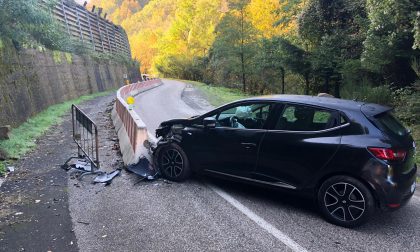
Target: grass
218, 95
2, 168
22, 139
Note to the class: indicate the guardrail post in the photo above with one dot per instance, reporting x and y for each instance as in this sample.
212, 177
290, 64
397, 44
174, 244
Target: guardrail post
79, 26
65, 16
90, 30
100, 32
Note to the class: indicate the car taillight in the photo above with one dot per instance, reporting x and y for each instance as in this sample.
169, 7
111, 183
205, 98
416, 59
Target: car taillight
388, 154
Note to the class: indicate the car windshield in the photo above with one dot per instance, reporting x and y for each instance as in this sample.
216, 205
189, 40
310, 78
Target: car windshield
391, 124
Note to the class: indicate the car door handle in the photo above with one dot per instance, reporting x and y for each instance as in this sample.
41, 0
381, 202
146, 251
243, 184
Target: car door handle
249, 145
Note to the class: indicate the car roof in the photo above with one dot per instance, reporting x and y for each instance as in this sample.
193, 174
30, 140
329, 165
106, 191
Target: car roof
369, 109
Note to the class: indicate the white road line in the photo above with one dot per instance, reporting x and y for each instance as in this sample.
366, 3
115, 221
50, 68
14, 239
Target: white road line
260, 221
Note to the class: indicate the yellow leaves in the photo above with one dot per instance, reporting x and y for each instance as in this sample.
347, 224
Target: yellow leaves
264, 14
186, 28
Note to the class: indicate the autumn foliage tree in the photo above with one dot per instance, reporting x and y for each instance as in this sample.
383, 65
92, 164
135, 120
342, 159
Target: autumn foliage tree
276, 46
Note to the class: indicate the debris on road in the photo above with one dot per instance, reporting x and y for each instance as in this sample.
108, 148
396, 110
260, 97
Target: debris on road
10, 168
80, 164
144, 169
106, 177
83, 167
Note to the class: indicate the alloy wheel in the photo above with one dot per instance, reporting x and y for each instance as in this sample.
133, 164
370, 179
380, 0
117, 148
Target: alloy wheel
172, 163
344, 201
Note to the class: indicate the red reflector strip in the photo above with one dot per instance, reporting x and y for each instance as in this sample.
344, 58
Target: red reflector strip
394, 205
388, 154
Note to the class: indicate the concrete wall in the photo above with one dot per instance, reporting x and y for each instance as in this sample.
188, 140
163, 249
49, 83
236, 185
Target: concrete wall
131, 130
31, 80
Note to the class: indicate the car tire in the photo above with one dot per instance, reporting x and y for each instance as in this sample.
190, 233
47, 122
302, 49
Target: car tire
173, 163
345, 201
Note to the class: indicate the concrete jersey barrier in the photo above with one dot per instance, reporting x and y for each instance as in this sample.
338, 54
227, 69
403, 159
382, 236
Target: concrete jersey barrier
131, 130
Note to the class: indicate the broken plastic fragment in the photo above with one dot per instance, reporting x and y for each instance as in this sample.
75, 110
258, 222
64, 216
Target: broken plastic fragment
106, 177
86, 166
80, 164
144, 169
10, 168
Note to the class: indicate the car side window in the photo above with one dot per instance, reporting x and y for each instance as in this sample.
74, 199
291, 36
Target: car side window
249, 116
305, 118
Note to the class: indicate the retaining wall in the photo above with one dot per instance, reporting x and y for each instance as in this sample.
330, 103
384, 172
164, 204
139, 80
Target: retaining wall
131, 130
32, 80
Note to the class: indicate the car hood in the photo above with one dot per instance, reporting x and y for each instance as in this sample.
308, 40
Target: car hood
165, 127
176, 121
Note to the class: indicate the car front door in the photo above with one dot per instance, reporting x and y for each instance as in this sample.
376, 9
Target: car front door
299, 144
232, 146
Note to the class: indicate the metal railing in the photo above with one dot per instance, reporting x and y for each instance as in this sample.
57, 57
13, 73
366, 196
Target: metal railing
85, 135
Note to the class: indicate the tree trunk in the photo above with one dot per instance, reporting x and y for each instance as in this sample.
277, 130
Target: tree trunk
262, 89
282, 79
243, 49
243, 72
337, 89
306, 84
327, 84
264, 84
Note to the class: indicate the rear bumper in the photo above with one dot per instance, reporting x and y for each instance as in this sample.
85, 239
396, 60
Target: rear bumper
391, 192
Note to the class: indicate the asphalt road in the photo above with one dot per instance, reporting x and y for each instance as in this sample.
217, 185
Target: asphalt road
205, 214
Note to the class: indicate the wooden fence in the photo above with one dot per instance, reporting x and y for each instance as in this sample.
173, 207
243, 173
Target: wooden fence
89, 27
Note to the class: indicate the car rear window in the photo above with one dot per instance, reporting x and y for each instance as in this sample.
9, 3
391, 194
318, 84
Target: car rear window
389, 123
305, 118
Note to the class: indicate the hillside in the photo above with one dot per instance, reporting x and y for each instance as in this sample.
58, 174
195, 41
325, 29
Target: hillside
276, 46
159, 30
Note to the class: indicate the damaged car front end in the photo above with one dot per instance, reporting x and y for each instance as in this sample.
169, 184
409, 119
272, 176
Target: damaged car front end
168, 154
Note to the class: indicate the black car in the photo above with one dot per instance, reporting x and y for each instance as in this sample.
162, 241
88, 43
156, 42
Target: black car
352, 157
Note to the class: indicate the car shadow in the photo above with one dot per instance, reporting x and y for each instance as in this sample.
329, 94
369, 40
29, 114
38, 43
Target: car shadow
270, 196
381, 223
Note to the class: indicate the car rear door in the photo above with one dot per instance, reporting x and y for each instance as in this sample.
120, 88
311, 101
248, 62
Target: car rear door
230, 149
298, 145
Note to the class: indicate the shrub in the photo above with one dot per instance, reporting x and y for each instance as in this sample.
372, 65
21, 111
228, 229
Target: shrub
381, 94
407, 103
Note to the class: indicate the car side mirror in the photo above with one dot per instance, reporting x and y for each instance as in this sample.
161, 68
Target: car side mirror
209, 122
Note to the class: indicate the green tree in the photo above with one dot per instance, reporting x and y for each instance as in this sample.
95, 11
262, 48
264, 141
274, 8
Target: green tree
26, 22
189, 36
295, 59
235, 44
390, 44
333, 31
